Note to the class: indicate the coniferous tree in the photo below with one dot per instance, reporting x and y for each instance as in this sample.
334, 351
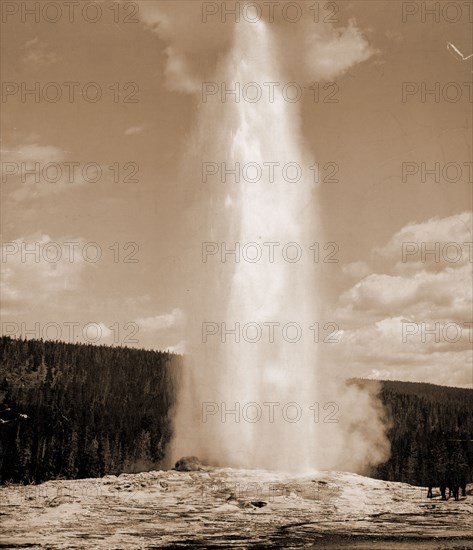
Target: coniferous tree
75, 410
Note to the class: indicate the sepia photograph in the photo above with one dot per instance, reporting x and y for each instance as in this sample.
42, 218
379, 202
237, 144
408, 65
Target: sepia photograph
236, 298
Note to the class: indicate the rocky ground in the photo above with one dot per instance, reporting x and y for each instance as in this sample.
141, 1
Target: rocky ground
226, 508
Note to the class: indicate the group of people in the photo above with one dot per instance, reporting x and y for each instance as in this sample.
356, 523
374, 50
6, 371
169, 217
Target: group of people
453, 486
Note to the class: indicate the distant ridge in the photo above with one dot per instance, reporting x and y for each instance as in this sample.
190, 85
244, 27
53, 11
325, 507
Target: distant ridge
407, 387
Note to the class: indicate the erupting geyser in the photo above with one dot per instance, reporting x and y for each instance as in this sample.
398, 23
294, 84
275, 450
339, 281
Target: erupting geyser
249, 402
253, 390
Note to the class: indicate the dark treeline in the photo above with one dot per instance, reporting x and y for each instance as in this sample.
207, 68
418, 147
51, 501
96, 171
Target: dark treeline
431, 428
75, 410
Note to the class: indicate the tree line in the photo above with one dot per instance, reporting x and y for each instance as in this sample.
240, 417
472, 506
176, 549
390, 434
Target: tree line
78, 410
430, 432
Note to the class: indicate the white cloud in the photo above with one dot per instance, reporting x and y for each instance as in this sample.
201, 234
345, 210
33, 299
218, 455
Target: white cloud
31, 42
379, 347
33, 152
414, 238
330, 52
179, 348
37, 270
31, 170
375, 311
135, 130
160, 322
138, 301
447, 294
37, 54
104, 332
306, 50
357, 270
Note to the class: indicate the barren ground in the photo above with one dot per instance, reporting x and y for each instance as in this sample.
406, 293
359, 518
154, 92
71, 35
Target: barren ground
226, 508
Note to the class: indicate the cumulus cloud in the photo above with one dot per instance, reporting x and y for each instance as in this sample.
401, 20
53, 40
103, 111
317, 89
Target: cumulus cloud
32, 152
328, 52
306, 50
103, 331
36, 270
447, 293
21, 170
137, 301
431, 245
33, 170
38, 54
160, 322
440, 280
179, 348
356, 270
412, 322
398, 348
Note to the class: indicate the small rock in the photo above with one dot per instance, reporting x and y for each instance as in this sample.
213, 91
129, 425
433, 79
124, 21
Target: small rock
188, 464
57, 501
259, 503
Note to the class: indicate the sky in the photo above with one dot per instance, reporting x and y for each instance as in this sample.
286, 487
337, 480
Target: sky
131, 198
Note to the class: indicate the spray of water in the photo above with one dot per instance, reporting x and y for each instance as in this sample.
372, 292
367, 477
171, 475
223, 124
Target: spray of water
252, 403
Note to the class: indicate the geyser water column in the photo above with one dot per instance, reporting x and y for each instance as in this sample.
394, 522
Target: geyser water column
248, 391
